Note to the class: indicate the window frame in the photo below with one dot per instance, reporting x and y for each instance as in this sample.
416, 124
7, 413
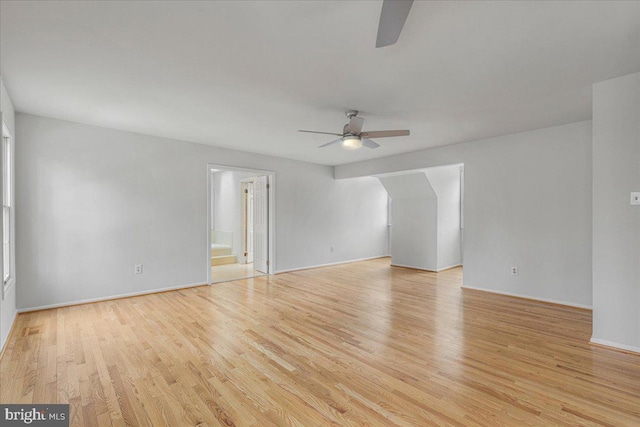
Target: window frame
8, 247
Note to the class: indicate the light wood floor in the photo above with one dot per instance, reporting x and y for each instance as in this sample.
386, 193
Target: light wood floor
228, 272
360, 344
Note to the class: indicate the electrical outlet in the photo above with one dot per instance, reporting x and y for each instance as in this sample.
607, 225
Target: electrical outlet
138, 268
635, 198
514, 271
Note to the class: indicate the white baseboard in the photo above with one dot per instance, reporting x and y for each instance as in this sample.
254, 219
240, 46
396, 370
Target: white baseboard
108, 298
330, 264
4, 344
615, 345
426, 269
413, 267
448, 267
552, 301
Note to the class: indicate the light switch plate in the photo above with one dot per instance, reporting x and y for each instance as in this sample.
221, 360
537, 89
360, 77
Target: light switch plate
635, 198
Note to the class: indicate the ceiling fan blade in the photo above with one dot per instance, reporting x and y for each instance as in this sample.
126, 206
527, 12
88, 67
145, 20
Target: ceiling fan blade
369, 143
384, 133
323, 133
330, 143
392, 18
354, 126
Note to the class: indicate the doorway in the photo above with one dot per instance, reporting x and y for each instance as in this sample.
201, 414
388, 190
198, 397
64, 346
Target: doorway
240, 226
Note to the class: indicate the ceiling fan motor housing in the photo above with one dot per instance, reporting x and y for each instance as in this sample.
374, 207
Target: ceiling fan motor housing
344, 130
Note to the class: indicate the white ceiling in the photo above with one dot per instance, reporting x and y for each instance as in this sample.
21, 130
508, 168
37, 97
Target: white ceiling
247, 75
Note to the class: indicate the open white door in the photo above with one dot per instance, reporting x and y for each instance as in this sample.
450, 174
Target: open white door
247, 221
261, 224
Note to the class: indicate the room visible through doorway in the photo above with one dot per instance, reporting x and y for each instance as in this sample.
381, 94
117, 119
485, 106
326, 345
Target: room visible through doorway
240, 223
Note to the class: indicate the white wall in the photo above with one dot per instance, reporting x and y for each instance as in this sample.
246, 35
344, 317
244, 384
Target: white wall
93, 202
8, 304
616, 224
527, 204
414, 225
8, 112
446, 184
227, 211
425, 230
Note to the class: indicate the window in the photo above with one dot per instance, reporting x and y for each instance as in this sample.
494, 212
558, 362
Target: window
7, 211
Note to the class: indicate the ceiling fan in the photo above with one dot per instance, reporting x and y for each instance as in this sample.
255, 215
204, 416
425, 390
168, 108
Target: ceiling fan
352, 136
392, 18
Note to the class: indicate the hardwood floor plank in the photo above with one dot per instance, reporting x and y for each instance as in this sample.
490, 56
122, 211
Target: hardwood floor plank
362, 344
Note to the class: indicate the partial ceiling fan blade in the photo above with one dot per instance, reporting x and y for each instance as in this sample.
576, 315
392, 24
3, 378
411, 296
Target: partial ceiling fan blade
384, 133
323, 133
392, 18
369, 143
330, 143
354, 126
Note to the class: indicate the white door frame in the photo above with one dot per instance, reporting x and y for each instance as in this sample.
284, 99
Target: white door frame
272, 211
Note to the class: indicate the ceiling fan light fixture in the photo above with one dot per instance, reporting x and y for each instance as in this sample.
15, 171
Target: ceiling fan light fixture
351, 142
352, 137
